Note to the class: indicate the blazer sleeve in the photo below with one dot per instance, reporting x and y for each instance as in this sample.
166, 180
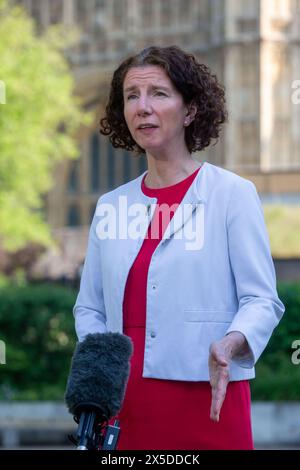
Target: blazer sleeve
89, 309
260, 309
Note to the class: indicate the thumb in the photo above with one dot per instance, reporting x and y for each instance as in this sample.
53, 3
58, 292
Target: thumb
220, 358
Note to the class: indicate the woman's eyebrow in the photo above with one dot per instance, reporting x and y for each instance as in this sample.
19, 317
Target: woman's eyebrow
130, 88
161, 87
152, 87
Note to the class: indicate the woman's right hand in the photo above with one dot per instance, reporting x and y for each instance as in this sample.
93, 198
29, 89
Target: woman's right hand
220, 354
219, 359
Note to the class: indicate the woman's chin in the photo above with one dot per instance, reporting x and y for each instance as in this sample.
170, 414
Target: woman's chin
149, 146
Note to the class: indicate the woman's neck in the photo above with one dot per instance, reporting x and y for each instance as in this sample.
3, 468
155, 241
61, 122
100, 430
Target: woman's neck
163, 173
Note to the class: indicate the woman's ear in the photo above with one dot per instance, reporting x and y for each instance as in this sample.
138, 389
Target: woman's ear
192, 112
190, 115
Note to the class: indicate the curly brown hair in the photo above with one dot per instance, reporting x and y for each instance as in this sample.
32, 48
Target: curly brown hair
193, 80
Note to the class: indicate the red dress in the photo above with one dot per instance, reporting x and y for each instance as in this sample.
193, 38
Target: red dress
170, 414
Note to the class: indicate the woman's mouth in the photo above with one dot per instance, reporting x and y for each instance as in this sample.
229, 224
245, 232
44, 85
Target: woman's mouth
147, 129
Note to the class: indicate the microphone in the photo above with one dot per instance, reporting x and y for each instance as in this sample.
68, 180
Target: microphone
96, 387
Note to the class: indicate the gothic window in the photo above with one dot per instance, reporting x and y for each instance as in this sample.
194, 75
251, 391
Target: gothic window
127, 166
95, 162
73, 181
111, 157
73, 219
56, 11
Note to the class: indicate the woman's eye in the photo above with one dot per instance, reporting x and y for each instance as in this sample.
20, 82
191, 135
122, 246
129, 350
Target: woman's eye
157, 93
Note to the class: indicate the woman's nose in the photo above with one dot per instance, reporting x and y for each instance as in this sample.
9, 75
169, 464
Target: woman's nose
144, 106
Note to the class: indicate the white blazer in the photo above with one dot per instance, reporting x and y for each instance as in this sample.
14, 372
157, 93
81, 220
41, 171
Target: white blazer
212, 273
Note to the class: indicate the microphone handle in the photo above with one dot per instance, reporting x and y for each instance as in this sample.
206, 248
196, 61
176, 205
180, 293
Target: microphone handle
85, 431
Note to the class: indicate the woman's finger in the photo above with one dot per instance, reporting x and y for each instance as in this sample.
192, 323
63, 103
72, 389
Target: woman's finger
219, 377
216, 406
218, 397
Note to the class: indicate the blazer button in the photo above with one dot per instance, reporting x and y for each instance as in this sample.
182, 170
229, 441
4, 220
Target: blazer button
153, 334
154, 286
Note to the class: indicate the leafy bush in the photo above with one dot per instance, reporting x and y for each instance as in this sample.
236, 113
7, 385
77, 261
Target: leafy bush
277, 378
37, 326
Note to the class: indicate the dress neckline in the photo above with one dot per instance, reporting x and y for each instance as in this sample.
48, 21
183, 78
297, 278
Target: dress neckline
159, 190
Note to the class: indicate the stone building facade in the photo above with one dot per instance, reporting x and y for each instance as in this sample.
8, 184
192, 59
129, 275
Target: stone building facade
253, 46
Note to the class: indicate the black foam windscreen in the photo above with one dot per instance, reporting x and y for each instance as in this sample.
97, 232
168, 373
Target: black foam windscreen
99, 372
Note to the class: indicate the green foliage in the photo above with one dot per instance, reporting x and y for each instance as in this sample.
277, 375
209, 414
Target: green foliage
37, 123
277, 378
37, 326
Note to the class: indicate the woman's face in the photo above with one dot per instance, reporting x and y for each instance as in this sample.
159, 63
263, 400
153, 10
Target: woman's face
150, 98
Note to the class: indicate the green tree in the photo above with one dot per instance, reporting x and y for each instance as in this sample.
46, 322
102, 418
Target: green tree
37, 122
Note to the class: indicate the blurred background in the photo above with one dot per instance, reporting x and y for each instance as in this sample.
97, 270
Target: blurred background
57, 59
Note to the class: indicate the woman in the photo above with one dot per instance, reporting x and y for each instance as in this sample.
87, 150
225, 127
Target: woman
179, 260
